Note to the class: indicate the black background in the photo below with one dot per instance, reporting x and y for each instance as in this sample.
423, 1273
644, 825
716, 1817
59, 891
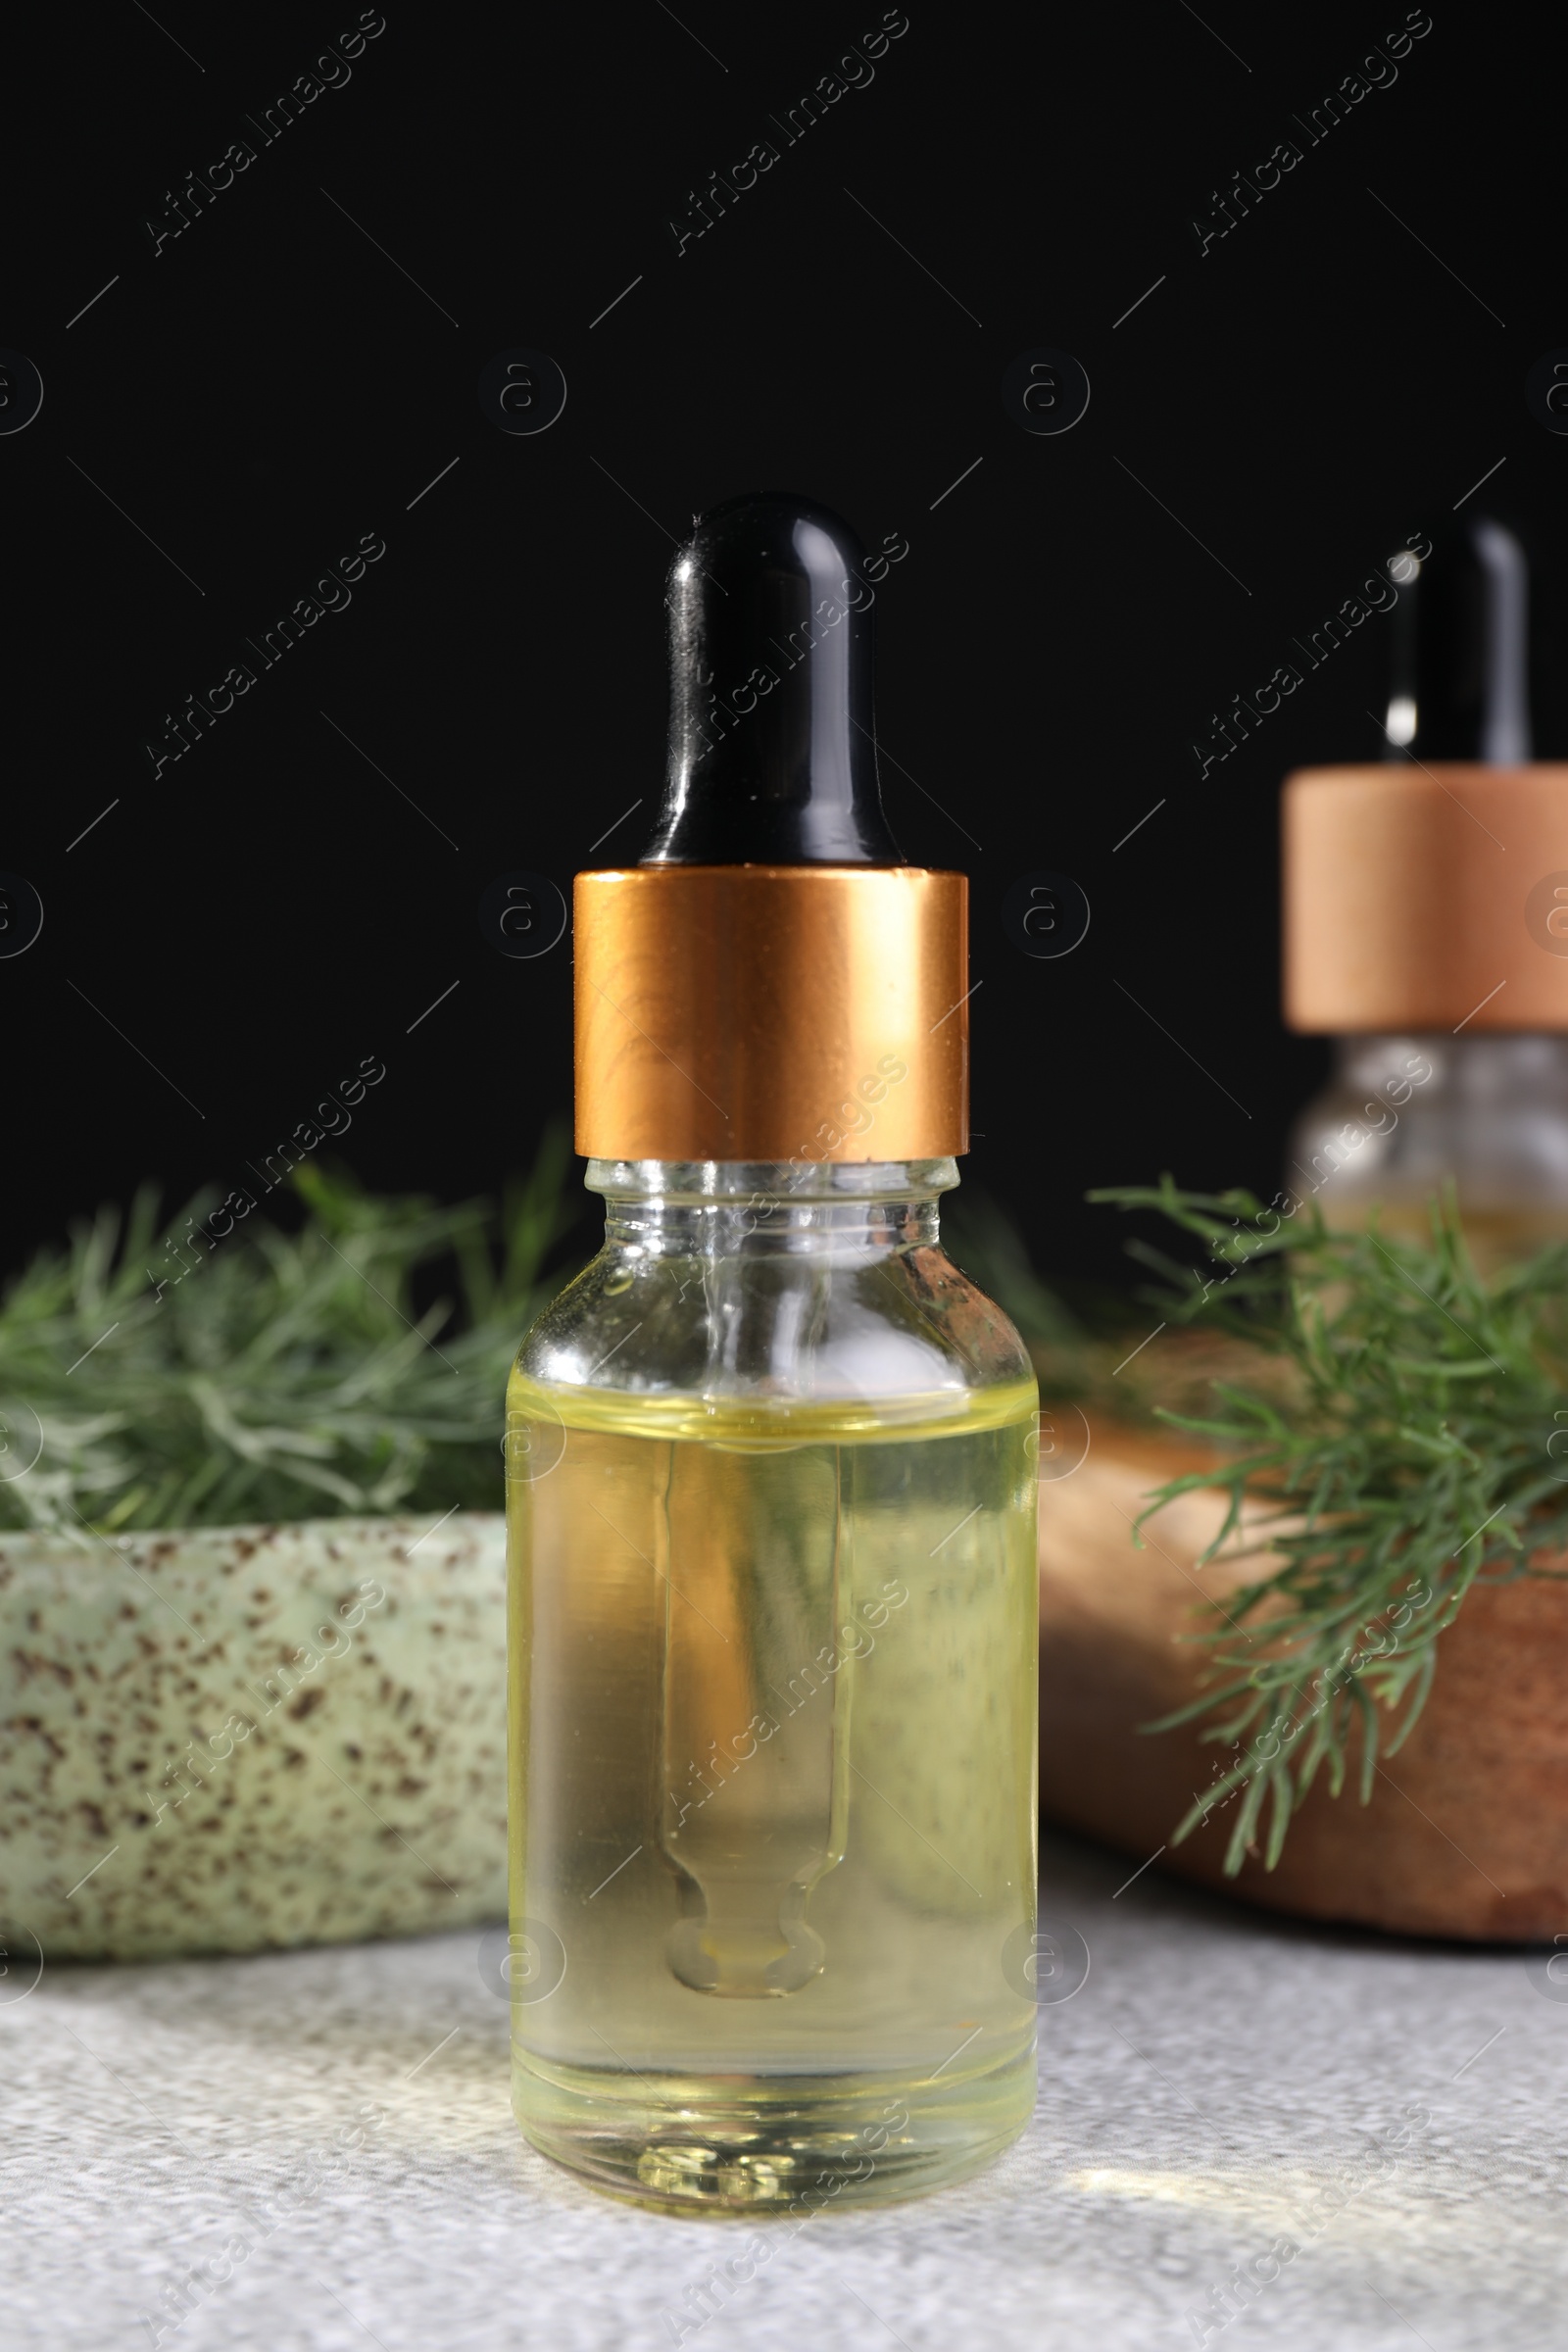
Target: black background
1314, 389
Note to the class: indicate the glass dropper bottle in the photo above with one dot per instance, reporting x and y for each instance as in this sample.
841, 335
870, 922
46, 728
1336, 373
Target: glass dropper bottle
1426, 914
771, 1479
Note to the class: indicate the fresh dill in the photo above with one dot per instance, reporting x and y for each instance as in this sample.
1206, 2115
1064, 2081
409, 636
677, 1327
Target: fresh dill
283, 1375
1416, 1445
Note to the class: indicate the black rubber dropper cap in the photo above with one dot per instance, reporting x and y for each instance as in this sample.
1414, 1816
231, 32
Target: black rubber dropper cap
1477, 639
772, 757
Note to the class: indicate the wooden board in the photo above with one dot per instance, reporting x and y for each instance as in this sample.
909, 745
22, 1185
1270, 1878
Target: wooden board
1466, 1834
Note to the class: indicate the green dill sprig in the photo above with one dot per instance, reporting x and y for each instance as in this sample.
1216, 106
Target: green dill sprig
1418, 1444
281, 1375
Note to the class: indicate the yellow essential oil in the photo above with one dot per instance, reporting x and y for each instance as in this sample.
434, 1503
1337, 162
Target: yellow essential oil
773, 1682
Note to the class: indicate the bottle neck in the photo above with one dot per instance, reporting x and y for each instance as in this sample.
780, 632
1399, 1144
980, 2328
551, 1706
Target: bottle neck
1478, 1067
1405, 1115
767, 1209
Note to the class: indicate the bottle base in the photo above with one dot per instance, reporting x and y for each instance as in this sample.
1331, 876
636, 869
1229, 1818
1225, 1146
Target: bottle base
758, 2145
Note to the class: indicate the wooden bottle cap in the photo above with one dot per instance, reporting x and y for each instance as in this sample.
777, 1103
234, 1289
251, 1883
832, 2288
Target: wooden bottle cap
1426, 898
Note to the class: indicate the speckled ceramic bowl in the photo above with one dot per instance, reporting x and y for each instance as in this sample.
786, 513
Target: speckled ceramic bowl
233, 1737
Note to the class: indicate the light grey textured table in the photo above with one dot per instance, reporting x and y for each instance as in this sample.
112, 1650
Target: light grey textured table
1221, 2082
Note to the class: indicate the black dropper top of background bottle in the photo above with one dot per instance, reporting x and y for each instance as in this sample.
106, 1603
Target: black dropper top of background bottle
773, 755
1478, 645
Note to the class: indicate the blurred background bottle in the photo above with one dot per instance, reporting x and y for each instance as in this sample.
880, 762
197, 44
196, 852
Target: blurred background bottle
1425, 912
